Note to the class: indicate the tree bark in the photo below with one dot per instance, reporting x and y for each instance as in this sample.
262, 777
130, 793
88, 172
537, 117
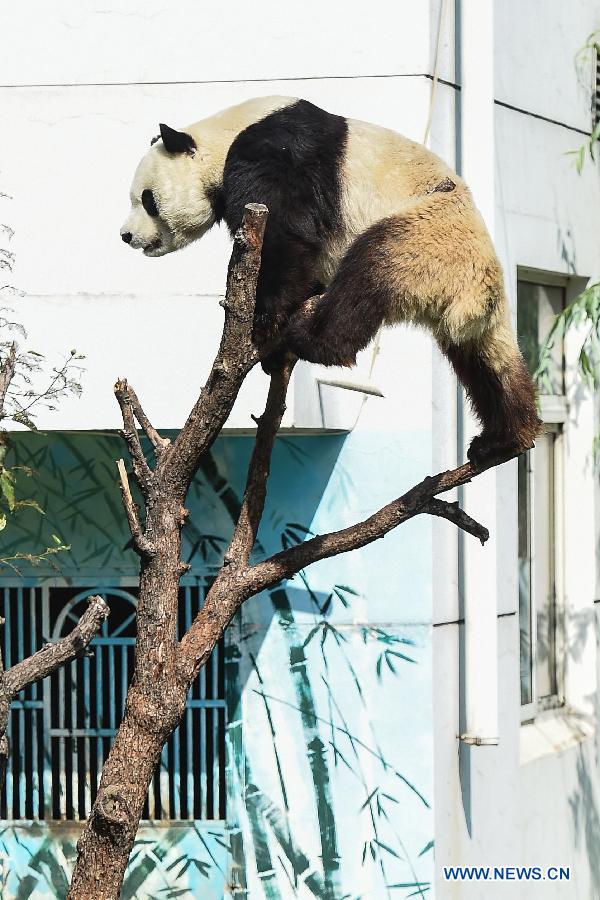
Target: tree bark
164, 668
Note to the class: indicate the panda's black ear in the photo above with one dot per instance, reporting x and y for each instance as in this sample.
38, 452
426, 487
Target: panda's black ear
176, 141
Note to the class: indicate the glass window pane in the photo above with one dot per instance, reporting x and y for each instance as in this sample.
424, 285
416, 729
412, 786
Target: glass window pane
528, 323
544, 566
537, 307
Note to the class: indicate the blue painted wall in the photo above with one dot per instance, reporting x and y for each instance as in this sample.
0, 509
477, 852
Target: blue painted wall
330, 763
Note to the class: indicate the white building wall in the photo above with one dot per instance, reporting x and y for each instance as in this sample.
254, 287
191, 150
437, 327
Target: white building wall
533, 800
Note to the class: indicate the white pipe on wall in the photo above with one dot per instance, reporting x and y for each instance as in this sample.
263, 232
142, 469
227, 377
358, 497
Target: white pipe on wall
479, 563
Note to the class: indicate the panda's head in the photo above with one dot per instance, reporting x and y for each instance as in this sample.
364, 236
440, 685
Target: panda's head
172, 195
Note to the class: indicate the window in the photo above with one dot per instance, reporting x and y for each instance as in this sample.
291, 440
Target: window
60, 730
539, 509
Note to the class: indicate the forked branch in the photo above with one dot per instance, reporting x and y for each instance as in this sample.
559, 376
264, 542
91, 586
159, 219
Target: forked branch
422, 498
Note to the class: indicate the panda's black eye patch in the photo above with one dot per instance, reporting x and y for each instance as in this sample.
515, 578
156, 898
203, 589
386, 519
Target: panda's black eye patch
149, 203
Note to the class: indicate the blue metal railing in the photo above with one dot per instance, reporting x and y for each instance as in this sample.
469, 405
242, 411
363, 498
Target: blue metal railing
60, 730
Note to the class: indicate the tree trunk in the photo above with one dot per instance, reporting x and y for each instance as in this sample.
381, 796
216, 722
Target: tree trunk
154, 706
106, 843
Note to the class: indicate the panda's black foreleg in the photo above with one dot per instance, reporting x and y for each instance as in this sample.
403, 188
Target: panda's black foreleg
286, 280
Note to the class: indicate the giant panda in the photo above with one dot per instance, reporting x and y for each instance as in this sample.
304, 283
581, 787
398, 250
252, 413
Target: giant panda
369, 227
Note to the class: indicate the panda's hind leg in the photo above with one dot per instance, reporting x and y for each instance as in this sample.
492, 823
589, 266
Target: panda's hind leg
501, 391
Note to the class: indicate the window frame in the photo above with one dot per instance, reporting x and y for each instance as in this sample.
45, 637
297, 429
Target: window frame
554, 415
530, 710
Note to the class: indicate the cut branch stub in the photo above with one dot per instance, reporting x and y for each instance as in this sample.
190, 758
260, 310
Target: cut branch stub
112, 807
141, 544
143, 473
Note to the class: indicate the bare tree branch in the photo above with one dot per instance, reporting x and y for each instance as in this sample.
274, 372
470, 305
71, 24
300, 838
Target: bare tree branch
227, 594
52, 656
236, 357
142, 470
140, 543
418, 500
4, 715
253, 503
131, 409
454, 513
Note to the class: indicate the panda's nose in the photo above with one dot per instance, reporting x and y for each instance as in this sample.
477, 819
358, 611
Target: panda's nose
127, 237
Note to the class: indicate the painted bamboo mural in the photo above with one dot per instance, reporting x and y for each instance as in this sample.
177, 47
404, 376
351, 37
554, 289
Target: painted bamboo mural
325, 753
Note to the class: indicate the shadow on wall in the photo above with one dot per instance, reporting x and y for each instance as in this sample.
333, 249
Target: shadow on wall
583, 802
586, 820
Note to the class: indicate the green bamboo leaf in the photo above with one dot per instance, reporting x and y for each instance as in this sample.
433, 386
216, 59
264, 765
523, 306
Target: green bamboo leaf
387, 848
184, 868
346, 589
343, 600
297, 527
337, 753
368, 800
327, 605
401, 656
427, 848
203, 867
409, 884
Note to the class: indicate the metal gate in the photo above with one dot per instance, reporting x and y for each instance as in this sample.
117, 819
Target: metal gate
61, 729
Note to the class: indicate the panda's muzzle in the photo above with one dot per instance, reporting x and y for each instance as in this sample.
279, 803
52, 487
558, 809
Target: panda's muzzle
151, 248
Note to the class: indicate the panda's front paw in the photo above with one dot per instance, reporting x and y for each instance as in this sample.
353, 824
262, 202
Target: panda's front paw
273, 362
